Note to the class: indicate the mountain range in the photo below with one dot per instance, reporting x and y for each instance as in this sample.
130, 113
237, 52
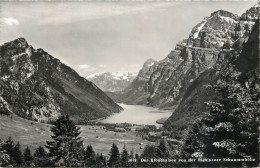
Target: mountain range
112, 82
37, 86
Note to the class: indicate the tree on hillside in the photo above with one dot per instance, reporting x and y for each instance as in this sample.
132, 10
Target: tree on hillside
8, 147
28, 158
17, 155
124, 157
149, 151
239, 110
162, 151
4, 156
230, 127
114, 160
100, 161
89, 156
138, 160
103, 161
67, 147
41, 157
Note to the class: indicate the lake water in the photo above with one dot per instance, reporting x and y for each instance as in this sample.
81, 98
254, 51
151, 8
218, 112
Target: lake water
137, 114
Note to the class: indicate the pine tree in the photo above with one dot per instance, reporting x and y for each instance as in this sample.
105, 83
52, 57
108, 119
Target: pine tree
66, 147
89, 156
132, 157
28, 158
162, 151
4, 156
149, 151
114, 160
41, 157
138, 160
104, 161
8, 146
132, 154
17, 156
124, 157
98, 162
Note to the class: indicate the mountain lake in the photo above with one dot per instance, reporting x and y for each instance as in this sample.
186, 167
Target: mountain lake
138, 114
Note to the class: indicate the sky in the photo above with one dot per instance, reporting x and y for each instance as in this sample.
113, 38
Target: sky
107, 36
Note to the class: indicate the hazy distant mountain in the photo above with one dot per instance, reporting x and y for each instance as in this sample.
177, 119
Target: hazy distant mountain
112, 82
137, 91
37, 86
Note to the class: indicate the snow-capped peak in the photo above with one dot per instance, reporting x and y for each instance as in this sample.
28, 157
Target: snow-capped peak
196, 34
94, 75
228, 19
112, 82
120, 76
151, 64
114, 75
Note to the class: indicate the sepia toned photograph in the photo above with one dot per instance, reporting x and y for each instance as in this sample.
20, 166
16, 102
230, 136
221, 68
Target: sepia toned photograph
129, 83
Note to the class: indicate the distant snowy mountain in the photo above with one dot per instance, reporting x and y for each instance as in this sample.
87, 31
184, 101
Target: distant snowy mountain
137, 91
112, 82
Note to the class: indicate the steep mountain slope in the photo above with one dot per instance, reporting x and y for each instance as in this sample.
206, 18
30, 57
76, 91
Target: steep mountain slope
170, 78
37, 86
241, 68
227, 122
198, 53
112, 82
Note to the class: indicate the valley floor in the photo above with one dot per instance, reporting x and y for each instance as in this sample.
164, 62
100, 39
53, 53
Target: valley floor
33, 134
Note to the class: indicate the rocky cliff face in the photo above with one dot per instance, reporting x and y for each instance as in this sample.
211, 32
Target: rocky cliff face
170, 78
239, 67
112, 82
214, 31
37, 86
229, 94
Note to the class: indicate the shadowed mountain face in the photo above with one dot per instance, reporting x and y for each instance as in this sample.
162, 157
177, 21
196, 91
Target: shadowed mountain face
37, 86
169, 79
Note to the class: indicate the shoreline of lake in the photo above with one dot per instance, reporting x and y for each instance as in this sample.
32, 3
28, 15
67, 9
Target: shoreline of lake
137, 114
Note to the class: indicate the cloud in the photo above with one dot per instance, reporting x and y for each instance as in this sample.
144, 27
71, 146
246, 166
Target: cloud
83, 66
135, 65
102, 66
79, 12
10, 21
85, 69
129, 68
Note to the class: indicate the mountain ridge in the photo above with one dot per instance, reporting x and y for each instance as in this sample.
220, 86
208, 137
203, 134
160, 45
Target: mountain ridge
39, 87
